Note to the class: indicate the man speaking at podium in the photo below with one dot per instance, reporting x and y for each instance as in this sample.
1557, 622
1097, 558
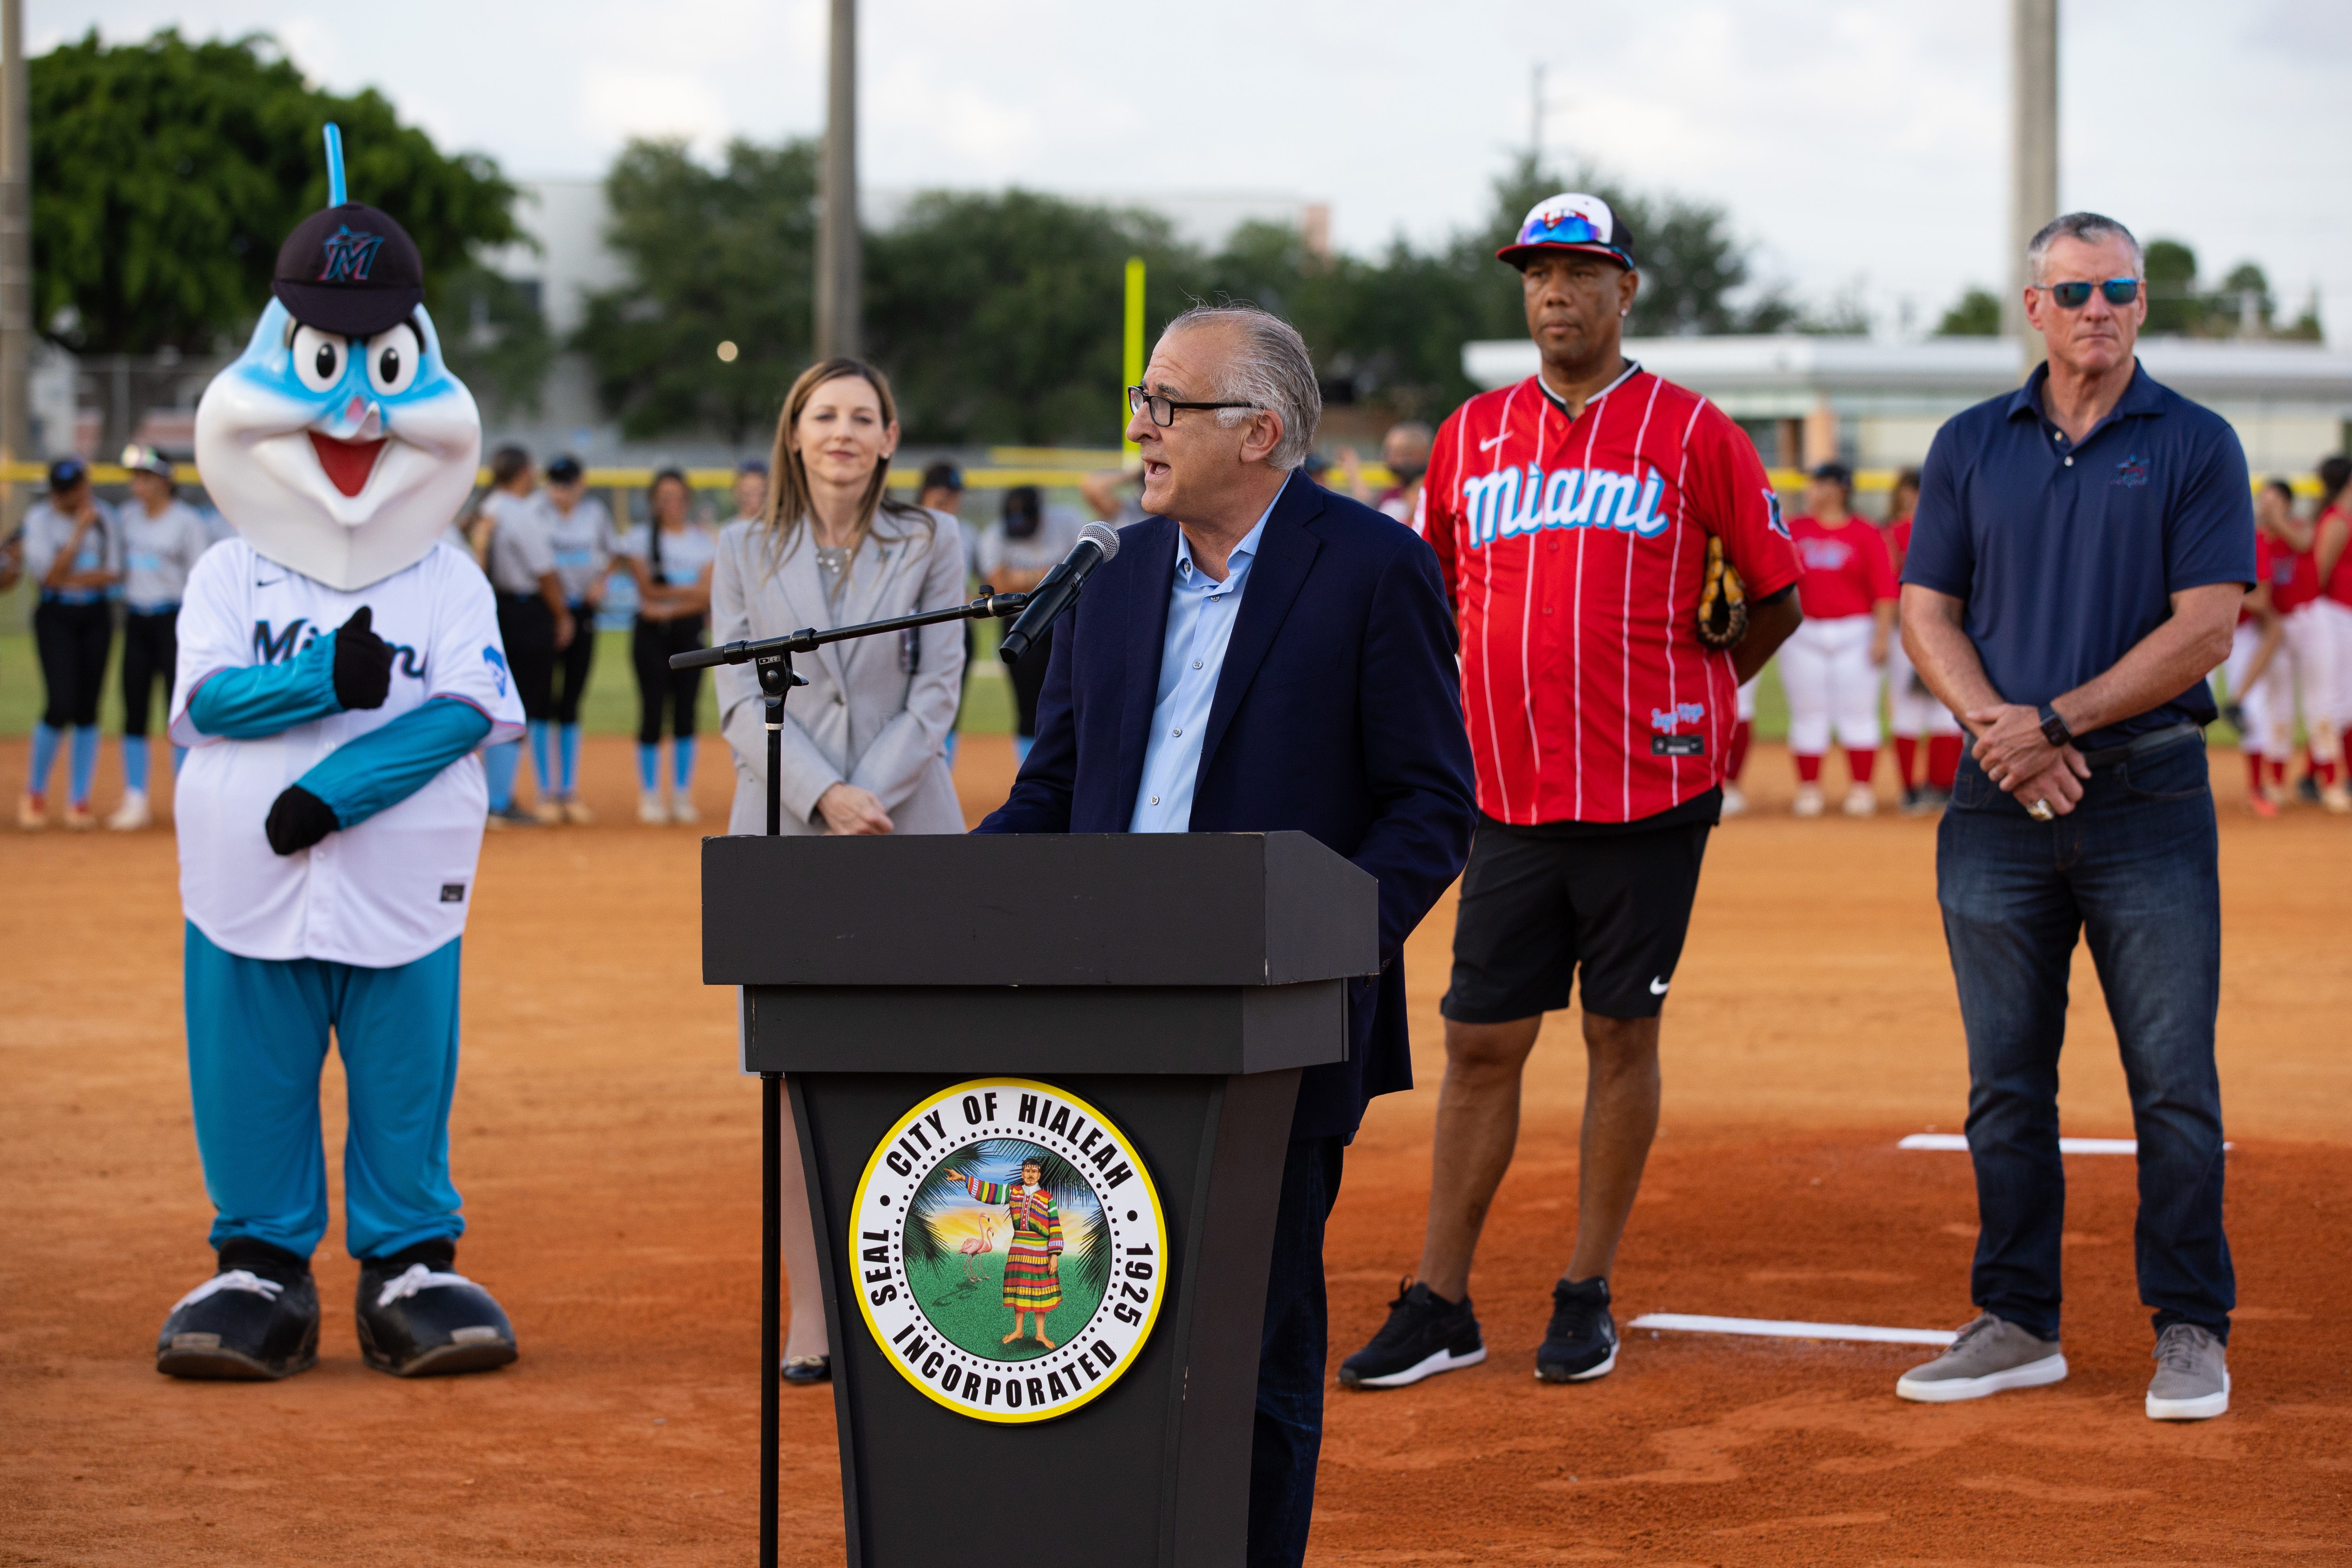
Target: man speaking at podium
1263, 653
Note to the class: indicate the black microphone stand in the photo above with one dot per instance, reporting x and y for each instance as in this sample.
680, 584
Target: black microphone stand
771, 659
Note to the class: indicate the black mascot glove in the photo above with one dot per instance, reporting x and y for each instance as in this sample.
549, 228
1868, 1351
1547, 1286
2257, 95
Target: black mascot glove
298, 819
363, 667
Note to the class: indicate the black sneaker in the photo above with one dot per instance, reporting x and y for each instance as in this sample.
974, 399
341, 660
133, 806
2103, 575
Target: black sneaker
1911, 796
1582, 1342
1425, 1334
2306, 789
1927, 800
418, 1320
255, 1320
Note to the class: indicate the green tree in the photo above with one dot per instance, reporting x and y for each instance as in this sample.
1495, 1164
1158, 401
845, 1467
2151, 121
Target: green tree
166, 174
1976, 314
2174, 305
999, 316
716, 257
494, 337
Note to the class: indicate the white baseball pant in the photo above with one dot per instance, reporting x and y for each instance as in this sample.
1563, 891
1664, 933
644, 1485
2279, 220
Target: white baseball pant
2254, 701
1910, 705
1831, 684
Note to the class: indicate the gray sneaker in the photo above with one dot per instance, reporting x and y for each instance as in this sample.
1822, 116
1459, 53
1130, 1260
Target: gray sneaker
1990, 1357
2193, 1375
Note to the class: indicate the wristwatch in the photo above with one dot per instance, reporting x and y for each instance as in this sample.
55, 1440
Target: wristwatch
2053, 728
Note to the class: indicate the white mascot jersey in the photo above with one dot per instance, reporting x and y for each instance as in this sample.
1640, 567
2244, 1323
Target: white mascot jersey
339, 462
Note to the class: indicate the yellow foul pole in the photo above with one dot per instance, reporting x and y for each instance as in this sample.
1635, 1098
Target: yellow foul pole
1132, 364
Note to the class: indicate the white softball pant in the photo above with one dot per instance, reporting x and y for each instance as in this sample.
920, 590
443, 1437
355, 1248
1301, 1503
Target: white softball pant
2256, 700
1826, 668
2310, 654
1910, 705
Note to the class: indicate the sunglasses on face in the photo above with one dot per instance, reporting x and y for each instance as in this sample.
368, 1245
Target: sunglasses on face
2074, 296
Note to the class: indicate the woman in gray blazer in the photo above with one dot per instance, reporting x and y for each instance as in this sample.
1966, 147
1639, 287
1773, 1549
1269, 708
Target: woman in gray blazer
865, 741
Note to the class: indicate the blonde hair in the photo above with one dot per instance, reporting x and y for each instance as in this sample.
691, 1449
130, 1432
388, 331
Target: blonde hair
788, 493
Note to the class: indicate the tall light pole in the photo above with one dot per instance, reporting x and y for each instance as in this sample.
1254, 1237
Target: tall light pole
16, 252
837, 255
2033, 151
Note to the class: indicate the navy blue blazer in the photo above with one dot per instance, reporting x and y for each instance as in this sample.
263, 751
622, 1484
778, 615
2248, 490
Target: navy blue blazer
1337, 713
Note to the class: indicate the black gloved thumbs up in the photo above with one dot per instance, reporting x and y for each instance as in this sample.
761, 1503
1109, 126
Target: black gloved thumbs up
363, 663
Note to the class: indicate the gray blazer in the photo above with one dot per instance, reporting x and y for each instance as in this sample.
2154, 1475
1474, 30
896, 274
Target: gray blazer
863, 718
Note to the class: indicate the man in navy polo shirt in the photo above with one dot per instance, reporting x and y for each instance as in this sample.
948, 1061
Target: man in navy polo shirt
2077, 565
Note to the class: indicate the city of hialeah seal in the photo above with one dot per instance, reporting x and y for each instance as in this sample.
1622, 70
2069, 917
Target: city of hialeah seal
1009, 1249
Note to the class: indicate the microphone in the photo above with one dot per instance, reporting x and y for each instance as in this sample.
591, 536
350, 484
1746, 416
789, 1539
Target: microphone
1098, 542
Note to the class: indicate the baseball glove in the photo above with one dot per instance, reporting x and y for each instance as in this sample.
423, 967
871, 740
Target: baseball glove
1722, 602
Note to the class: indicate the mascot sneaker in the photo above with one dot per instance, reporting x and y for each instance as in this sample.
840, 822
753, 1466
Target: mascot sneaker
418, 1320
1581, 1342
255, 1320
2193, 1375
1425, 1334
1990, 1356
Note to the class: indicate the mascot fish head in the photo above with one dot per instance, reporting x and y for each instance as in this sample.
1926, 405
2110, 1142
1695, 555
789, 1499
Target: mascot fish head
339, 445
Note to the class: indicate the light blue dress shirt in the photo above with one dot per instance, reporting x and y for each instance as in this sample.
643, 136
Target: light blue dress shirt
1200, 616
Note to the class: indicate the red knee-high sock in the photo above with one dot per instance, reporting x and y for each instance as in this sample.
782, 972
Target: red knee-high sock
1735, 760
1906, 759
1861, 762
2278, 773
1809, 768
1943, 760
2254, 772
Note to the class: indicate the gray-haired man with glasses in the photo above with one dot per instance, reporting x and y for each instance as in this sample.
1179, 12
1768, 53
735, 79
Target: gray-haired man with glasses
2077, 560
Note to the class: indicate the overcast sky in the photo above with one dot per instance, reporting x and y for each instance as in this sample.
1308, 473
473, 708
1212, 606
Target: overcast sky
1856, 146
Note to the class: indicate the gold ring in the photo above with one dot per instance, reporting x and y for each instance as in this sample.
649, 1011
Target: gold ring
2039, 811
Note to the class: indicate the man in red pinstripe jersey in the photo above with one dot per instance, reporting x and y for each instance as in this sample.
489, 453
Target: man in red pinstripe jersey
1570, 514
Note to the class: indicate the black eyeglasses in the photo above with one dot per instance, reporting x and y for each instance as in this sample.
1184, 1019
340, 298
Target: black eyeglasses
1163, 408
2074, 296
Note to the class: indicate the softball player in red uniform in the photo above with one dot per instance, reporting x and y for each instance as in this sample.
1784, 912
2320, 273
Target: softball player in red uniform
2332, 563
1913, 713
1571, 514
1830, 666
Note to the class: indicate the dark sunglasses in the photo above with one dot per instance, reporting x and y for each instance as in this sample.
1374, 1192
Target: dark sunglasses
2074, 296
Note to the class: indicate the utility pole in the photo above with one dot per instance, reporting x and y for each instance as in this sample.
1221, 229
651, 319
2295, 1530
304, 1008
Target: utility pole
2033, 152
837, 254
1535, 119
16, 253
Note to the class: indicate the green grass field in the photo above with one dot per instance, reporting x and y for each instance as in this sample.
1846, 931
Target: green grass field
974, 1316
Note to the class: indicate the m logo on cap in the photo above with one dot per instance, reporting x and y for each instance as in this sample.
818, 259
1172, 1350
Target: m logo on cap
349, 256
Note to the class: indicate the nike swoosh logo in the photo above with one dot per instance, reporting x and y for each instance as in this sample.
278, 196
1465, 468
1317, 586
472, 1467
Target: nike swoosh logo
1494, 441
267, 582
1658, 987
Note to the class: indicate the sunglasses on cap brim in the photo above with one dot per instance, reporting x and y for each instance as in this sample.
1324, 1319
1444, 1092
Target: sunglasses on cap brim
2074, 296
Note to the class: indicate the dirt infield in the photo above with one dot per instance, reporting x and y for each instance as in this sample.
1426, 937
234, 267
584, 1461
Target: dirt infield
608, 1150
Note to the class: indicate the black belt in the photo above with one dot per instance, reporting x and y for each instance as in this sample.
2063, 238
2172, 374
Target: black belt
2140, 746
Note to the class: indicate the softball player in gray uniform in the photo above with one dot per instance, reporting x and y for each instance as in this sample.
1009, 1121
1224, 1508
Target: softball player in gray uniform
581, 529
161, 537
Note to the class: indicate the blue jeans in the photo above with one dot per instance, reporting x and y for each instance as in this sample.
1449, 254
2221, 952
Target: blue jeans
2133, 871
1292, 1348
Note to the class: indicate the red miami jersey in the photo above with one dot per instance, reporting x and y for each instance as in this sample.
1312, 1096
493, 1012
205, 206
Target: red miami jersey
2294, 577
2338, 587
1575, 552
1846, 569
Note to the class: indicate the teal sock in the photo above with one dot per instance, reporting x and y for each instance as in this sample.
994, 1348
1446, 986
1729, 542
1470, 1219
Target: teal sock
83, 765
681, 762
543, 769
45, 758
134, 762
649, 766
568, 755
500, 763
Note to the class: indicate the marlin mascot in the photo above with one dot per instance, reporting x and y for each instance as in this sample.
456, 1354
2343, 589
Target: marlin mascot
340, 672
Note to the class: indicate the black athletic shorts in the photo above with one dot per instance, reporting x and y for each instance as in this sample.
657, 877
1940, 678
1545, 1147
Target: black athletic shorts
1539, 904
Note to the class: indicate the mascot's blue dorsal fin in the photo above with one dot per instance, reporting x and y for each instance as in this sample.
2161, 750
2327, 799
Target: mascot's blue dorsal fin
335, 194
